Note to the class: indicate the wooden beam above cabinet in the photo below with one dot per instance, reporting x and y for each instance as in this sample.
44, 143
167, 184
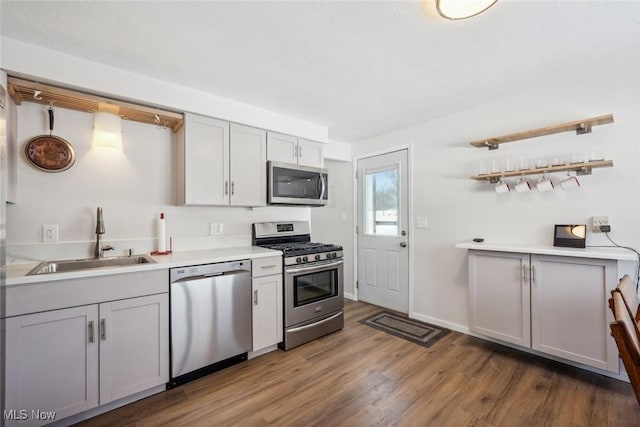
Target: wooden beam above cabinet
28, 91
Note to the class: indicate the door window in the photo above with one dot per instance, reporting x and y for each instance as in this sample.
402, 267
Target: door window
381, 202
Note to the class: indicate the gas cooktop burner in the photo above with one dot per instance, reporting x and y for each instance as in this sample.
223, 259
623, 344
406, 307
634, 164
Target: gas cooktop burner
304, 248
293, 239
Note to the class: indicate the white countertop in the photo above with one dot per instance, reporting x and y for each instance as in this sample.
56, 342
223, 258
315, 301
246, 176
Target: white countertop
592, 252
16, 273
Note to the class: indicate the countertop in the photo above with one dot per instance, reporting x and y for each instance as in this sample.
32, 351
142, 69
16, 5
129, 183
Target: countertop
619, 254
16, 273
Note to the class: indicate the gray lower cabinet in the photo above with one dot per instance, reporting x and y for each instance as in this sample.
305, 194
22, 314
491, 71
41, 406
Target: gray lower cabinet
70, 360
553, 304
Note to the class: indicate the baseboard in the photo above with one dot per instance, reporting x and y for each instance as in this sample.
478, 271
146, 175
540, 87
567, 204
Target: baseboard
107, 407
254, 354
439, 322
350, 297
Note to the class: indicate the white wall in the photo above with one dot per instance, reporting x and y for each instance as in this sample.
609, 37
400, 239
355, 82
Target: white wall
46, 65
133, 187
334, 222
459, 209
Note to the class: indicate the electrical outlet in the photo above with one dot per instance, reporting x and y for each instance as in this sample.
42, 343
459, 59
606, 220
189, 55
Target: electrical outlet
50, 233
597, 222
216, 228
421, 222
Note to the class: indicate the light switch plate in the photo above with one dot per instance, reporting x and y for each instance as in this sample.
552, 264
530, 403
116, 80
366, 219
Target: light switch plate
421, 222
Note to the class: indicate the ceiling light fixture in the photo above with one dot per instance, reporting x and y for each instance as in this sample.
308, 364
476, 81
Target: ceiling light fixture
461, 9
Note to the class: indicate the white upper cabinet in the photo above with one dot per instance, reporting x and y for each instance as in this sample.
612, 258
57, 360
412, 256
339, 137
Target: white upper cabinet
203, 161
221, 164
310, 153
248, 166
294, 150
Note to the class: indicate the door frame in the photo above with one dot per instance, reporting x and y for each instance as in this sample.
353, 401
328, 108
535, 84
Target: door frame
410, 218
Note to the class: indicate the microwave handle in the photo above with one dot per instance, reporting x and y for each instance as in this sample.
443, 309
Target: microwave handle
324, 187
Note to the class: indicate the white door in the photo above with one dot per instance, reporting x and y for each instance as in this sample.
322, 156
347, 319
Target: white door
383, 256
499, 296
267, 311
282, 148
134, 346
206, 161
569, 313
248, 167
52, 363
310, 153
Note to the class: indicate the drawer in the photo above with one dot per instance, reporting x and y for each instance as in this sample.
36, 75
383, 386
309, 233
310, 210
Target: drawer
266, 266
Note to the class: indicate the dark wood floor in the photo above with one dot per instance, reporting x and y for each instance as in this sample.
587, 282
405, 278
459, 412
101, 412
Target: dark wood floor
363, 377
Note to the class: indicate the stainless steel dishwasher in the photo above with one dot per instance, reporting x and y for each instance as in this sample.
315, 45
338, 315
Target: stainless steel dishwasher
210, 318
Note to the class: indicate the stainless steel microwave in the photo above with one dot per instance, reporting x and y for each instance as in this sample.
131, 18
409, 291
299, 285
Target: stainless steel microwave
296, 185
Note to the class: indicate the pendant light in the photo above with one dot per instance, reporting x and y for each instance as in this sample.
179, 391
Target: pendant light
461, 9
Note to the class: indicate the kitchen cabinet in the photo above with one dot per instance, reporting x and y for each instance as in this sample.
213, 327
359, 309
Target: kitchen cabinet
74, 359
553, 304
499, 296
221, 164
294, 150
570, 317
248, 164
267, 302
52, 362
134, 346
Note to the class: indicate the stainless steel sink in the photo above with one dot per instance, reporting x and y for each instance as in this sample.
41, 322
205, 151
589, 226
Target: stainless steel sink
62, 266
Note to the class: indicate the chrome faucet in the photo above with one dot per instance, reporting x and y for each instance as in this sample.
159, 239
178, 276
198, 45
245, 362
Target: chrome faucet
99, 249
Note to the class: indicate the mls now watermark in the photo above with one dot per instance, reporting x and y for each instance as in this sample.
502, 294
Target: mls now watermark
23, 415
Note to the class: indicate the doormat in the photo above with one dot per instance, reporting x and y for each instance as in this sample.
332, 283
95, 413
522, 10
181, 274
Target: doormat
417, 332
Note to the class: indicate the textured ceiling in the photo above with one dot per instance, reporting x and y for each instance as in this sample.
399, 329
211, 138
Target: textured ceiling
361, 68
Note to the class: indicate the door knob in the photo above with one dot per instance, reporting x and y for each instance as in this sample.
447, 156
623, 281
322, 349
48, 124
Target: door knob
403, 233
403, 244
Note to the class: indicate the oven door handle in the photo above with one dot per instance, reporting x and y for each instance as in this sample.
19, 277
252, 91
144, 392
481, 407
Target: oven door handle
313, 325
315, 267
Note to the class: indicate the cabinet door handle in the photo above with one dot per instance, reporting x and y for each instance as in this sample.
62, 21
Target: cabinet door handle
233, 188
226, 188
524, 274
255, 297
300, 149
91, 332
269, 266
103, 329
533, 274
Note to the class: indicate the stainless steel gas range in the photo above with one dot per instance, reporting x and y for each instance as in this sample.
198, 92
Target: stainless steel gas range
313, 280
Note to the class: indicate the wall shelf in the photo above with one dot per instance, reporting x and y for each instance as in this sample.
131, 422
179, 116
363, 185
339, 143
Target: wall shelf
579, 168
579, 126
25, 90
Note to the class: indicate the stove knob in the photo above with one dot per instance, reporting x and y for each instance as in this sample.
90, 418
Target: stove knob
317, 257
298, 260
305, 259
328, 256
333, 255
